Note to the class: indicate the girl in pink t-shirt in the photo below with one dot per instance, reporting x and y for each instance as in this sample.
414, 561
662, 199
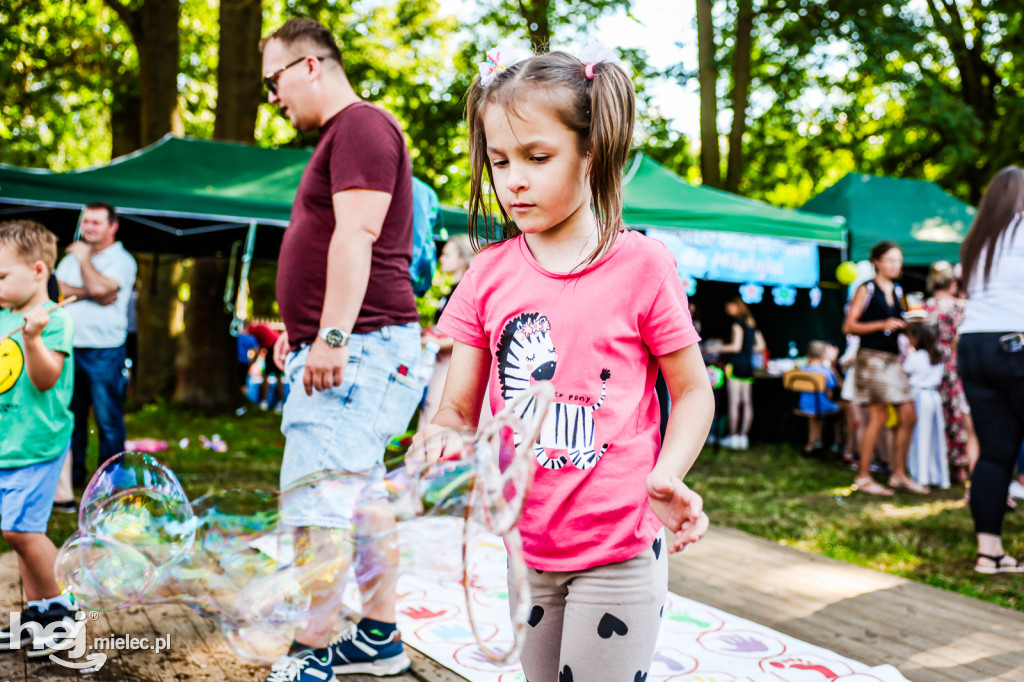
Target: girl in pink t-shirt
565, 293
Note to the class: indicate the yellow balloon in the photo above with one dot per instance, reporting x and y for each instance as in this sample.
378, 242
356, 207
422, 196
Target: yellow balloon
846, 272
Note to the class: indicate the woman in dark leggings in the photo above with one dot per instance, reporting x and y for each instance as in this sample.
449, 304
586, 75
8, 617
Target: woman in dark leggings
990, 357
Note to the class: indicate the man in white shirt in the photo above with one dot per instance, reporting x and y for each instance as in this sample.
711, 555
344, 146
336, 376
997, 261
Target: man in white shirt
100, 273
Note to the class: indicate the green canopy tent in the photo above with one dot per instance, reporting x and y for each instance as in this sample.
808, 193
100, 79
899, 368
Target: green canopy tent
920, 216
713, 233
654, 196
178, 196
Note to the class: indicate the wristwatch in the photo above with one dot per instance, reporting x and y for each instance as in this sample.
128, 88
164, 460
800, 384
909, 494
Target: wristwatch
334, 337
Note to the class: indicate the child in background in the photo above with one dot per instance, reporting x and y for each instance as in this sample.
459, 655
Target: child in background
926, 462
746, 342
35, 393
817, 406
558, 297
455, 259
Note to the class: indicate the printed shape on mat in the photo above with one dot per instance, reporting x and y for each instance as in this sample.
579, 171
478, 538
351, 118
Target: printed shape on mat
668, 661
450, 632
742, 643
470, 656
805, 667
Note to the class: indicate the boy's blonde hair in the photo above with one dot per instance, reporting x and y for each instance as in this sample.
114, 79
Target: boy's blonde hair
30, 241
817, 350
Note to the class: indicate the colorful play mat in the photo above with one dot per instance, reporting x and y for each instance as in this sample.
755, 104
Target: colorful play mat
697, 642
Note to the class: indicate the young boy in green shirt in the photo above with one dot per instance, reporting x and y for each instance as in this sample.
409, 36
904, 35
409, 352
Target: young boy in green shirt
36, 375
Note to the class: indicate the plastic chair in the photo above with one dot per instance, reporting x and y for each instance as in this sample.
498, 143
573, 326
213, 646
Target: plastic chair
800, 381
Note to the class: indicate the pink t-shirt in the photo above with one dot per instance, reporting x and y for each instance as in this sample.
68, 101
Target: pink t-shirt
594, 334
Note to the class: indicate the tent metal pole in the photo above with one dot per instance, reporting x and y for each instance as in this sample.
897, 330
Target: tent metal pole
240, 306
78, 228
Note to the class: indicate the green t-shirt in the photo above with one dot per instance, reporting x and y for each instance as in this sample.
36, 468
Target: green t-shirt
36, 426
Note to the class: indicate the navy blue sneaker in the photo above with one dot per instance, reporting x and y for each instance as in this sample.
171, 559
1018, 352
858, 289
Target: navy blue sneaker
305, 666
22, 629
369, 652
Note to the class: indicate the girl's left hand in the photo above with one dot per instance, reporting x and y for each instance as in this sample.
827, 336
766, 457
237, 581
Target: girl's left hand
679, 508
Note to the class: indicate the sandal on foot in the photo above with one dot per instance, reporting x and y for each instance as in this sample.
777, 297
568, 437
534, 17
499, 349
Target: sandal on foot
1003, 564
908, 484
870, 486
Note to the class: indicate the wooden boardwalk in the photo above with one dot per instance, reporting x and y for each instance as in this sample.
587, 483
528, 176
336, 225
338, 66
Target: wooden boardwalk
928, 634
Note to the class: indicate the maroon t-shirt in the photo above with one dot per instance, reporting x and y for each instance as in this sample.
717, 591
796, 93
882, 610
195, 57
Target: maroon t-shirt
360, 147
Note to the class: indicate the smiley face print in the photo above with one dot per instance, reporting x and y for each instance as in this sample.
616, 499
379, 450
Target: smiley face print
12, 362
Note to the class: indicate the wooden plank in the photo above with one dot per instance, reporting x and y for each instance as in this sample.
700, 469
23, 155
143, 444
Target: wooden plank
927, 633
136, 664
426, 669
12, 664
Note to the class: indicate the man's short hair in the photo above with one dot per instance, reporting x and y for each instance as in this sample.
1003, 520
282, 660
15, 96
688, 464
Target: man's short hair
309, 31
30, 241
111, 211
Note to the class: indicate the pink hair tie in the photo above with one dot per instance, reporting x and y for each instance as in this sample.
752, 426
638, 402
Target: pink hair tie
589, 71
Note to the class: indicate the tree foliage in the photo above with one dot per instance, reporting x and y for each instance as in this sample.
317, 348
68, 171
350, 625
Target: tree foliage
929, 89
64, 65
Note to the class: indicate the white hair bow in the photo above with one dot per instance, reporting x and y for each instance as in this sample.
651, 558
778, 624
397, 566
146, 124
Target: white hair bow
598, 53
499, 59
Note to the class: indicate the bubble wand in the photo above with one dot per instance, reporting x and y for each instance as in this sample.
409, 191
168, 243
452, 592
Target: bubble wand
498, 478
69, 299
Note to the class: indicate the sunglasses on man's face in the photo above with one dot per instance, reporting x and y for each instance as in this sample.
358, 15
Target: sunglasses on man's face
270, 79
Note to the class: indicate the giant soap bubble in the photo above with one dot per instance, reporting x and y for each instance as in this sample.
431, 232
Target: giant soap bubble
272, 566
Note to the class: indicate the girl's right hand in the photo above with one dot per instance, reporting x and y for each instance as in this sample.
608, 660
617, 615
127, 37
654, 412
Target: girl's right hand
432, 444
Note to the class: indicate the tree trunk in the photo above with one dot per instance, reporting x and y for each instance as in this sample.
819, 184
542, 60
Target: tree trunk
710, 163
740, 93
239, 90
207, 360
155, 30
125, 123
537, 15
158, 326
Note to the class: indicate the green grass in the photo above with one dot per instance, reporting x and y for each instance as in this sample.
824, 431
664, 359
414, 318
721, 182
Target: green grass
808, 504
802, 503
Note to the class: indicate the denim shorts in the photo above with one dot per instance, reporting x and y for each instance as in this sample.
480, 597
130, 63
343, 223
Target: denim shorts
27, 493
348, 427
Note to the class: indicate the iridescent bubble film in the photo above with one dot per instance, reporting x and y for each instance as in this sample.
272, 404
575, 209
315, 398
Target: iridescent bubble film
274, 566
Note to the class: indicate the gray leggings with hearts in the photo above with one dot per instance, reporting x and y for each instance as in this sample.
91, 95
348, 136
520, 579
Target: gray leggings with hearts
598, 624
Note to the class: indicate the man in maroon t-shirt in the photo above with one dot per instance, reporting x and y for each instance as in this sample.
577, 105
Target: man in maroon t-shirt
351, 326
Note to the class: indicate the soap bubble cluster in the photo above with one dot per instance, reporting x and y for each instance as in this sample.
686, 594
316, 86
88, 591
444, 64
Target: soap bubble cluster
273, 566
253, 560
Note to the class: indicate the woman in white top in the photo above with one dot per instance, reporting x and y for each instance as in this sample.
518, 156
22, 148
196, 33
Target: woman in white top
990, 356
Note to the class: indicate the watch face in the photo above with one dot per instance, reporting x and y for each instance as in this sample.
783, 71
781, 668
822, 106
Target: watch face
334, 337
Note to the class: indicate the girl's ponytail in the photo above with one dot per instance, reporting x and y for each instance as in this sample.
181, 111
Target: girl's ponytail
612, 110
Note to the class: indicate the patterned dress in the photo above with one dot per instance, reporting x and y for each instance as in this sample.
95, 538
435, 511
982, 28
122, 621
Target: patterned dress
946, 315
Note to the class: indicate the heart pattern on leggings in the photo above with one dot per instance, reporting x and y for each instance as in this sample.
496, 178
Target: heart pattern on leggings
535, 616
610, 625
565, 674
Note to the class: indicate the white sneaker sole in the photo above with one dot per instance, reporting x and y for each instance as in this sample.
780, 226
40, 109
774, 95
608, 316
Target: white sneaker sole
396, 665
